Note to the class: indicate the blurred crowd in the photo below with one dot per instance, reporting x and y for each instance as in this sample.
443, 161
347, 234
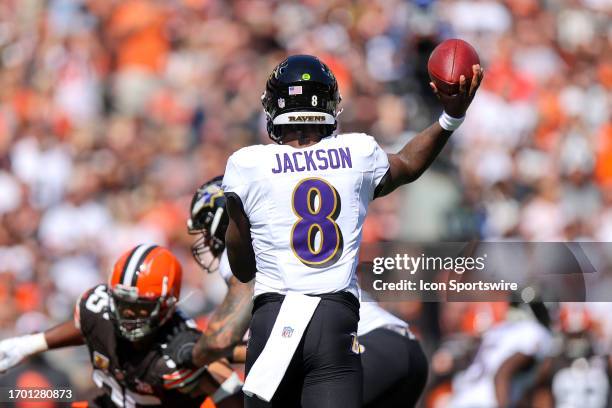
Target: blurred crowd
112, 112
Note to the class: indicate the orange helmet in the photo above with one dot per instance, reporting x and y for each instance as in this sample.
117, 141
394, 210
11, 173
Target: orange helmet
145, 286
574, 318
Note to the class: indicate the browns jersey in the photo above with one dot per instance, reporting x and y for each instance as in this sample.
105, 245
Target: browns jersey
129, 373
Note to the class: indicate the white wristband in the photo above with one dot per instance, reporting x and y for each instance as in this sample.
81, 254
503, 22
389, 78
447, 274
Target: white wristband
449, 123
34, 343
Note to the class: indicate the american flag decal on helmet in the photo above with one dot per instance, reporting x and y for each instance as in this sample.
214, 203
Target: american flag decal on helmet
295, 90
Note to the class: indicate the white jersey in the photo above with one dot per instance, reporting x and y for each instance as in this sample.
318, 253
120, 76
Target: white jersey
475, 387
224, 267
306, 207
371, 315
583, 383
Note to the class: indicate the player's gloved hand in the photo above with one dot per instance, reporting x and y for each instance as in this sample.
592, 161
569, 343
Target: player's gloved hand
179, 348
183, 380
456, 105
14, 350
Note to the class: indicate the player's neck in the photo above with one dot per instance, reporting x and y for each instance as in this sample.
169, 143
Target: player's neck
302, 139
302, 143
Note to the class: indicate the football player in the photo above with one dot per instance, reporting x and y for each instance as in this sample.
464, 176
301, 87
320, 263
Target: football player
127, 325
509, 351
394, 365
228, 324
579, 373
296, 211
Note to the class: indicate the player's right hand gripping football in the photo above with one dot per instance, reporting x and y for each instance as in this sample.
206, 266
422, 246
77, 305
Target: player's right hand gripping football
456, 105
11, 353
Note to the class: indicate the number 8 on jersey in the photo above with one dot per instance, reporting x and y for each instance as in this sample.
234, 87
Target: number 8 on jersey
316, 203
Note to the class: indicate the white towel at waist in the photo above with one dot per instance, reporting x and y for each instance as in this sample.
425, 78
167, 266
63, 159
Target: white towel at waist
270, 367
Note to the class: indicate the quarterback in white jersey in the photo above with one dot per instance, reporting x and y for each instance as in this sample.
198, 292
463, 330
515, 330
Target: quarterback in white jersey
394, 365
511, 348
306, 207
296, 211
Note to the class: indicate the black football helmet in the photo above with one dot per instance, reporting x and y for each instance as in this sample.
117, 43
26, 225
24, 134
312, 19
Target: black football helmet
208, 218
301, 90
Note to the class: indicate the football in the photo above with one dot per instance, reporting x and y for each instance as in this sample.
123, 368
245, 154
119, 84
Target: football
448, 61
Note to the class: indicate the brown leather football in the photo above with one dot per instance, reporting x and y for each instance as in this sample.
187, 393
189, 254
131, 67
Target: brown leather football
448, 61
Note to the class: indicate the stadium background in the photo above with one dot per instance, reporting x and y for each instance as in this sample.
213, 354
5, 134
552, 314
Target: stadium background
113, 112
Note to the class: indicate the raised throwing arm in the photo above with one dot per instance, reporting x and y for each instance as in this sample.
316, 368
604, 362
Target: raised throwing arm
417, 155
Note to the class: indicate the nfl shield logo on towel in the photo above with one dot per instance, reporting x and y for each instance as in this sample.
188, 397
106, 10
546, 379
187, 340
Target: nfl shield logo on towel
287, 332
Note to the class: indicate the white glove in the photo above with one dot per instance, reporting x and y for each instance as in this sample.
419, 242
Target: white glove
14, 350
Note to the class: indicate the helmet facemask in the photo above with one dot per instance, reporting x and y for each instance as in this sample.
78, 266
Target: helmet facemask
136, 317
208, 221
207, 248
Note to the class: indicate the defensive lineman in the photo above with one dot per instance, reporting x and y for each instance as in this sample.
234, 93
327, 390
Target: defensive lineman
129, 326
296, 213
